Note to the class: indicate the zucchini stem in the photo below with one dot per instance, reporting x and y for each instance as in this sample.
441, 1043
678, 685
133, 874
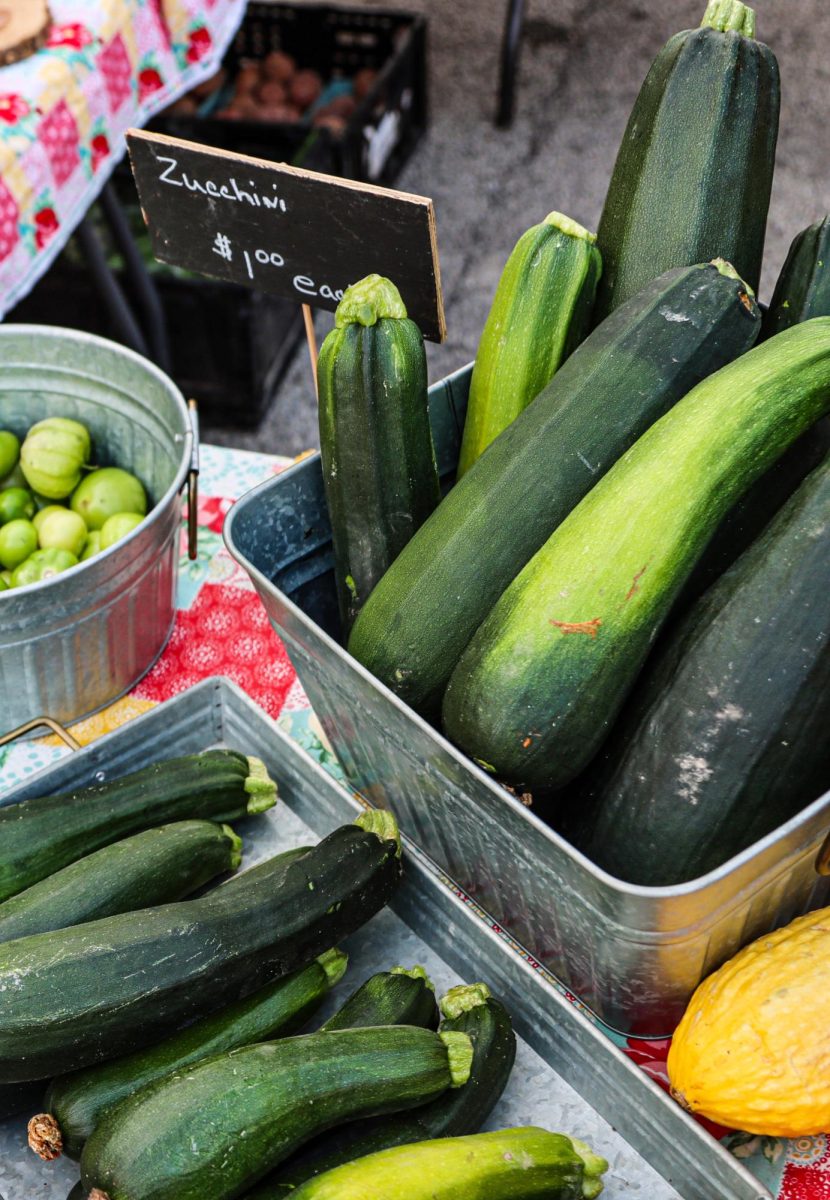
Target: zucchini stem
334, 963
236, 846
462, 998
570, 227
382, 824
368, 301
595, 1168
45, 1137
459, 1056
260, 787
729, 15
414, 973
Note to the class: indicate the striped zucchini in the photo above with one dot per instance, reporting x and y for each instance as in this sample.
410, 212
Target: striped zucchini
218, 1127
152, 867
512, 1164
468, 1009
693, 174
402, 996
76, 1103
630, 371
536, 690
41, 836
540, 313
82, 995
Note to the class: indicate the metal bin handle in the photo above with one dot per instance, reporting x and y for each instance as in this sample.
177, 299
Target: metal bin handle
193, 486
55, 726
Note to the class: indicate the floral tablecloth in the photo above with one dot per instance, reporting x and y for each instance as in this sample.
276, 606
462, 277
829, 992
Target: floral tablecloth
221, 629
108, 65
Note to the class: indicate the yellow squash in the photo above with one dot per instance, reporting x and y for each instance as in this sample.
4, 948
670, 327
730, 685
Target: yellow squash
753, 1049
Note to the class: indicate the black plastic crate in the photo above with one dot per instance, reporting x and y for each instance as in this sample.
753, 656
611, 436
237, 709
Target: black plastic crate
337, 42
229, 345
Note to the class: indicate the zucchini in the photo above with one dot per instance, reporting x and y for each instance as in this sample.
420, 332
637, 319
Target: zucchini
75, 1103
379, 470
512, 1164
536, 690
41, 836
540, 313
468, 1009
152, 867
803, 287
95, 991
716, 749
692, 180
396, 997
630, 371
802, 292
218, 1127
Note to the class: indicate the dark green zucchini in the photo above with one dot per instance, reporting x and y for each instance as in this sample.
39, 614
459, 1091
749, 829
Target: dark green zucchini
629, 372
692, 179
537, 689
152, 867
726, 733
512, 1164
803, 287
378, 461
82, 995
801, 293
470, 1010
540, 313
216, 1128
75, 1103
41, 836
396, 997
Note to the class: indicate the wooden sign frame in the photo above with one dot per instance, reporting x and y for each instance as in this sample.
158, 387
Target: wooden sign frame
281, 229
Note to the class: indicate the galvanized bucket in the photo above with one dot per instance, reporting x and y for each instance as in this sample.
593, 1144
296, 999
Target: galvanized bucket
74, 643
633, 954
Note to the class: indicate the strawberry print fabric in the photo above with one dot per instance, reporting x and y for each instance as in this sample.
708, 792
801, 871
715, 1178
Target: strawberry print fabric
108, 65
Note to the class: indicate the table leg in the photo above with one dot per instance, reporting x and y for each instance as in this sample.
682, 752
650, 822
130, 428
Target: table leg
142, 283
125, 323
510, 46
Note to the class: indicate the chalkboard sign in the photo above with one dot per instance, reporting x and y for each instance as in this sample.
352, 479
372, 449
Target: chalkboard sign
298, 234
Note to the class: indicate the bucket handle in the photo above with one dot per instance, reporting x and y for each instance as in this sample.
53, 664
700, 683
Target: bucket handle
55, 726
193, 485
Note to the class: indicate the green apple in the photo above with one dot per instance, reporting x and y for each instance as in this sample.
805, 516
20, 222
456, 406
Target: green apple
43, 564
117, 527
105, 492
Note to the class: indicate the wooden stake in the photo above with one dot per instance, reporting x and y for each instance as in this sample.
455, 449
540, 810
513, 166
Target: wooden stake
308, 318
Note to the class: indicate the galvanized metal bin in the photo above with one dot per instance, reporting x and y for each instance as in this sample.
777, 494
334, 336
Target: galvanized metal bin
430, 923
633, 954
76, 642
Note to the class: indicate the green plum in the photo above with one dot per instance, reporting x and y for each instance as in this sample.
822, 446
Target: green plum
105, 492
53, 454
16, 503
18, 539
93, 545
43, 564
61, 529
117, 527
9, 451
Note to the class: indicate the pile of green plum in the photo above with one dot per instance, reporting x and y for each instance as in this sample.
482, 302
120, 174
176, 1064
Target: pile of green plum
39, 537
